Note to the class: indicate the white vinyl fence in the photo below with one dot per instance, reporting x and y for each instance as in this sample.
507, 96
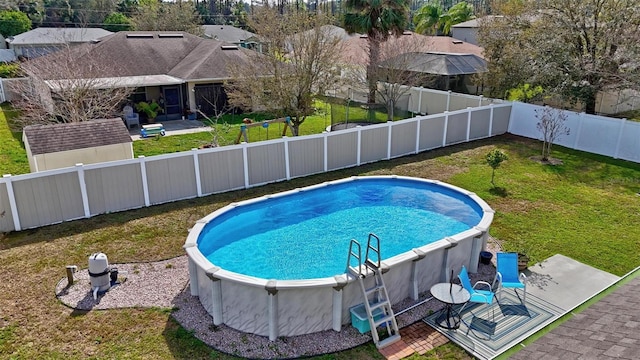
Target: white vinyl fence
617, 138
50, 197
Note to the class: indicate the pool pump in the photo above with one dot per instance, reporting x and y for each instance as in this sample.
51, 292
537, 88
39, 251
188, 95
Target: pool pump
99, 273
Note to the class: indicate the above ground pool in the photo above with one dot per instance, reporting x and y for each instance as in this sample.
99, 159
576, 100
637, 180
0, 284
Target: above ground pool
313, 228
293, 246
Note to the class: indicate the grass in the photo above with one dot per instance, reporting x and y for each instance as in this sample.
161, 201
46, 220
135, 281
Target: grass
228, 128
585, 208
13, 158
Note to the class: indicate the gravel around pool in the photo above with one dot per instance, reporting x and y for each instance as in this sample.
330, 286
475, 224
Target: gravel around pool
165, 284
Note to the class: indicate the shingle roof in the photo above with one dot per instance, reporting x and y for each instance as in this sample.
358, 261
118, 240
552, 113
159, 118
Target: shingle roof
7, 55
178, 54
227, 33
45, 139
45, 35
355, 48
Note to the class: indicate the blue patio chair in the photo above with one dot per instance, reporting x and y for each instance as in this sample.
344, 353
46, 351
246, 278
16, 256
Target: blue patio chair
477, 295
507, 275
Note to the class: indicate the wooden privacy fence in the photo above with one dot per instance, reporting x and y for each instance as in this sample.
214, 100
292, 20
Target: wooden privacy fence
49, 197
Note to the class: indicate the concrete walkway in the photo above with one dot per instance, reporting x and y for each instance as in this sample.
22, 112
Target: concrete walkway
565, 283
175, 127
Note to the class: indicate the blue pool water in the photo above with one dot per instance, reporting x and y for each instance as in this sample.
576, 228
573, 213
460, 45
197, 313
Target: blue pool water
306, 235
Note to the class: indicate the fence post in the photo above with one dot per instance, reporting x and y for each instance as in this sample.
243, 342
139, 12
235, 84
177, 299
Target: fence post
145, 185
448, 99
579, 130
490, 120
287, 166
620, 132
389, 133
245, 164
480, 100
418, 135
325, 151
196, 168
359, 144
420, 100
83, 190
468, 122
12, 202
444, 132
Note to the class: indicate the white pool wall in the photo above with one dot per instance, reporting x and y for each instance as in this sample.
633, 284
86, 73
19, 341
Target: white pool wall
276, 308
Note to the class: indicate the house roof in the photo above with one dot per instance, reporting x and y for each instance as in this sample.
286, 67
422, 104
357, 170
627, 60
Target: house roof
355, 49
45, 139
52, 36
7, 55
442, 64
227, 33
146, 55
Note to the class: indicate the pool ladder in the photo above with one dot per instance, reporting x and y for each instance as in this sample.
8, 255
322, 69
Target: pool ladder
376, 298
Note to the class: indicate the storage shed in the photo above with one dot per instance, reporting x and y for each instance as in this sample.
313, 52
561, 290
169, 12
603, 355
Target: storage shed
63, 145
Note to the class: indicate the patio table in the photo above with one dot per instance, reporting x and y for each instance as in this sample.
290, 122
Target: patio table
450, 295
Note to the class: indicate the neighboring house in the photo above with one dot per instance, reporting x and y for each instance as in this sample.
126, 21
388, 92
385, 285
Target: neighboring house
63, 145
233, 35
7, 56
438, 55
453, 71
187, 71
43, 40
468, 31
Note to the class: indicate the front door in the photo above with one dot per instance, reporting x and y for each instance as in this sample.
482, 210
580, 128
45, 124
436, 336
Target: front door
171, 96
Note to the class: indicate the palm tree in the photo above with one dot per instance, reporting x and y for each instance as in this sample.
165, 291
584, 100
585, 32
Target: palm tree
458, 13
379, 19
428, 18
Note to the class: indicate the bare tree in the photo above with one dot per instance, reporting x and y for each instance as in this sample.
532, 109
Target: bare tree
551, 125
69, 85
401, 67
299, 62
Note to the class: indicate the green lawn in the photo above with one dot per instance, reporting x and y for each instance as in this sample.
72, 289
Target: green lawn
228, 129
587, 208
13, 158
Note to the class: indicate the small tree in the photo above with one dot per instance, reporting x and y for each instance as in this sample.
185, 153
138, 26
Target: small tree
13, 23
494, 158
70, 85
551, 125
117, 22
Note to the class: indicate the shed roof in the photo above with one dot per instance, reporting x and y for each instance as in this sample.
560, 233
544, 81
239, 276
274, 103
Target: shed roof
46, 139
50, 36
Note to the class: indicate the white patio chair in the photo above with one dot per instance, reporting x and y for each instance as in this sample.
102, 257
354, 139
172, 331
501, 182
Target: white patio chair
131, 118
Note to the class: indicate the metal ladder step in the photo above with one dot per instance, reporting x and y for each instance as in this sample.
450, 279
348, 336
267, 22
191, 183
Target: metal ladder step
377, 305
374, 289
384, 320
388, 341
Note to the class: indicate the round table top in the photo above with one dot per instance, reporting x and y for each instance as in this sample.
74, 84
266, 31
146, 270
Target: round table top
450, 293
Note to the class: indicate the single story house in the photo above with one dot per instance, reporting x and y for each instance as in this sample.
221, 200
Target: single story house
179, 70
57, 146
453, 71
233, 35
43, 40
443, 56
